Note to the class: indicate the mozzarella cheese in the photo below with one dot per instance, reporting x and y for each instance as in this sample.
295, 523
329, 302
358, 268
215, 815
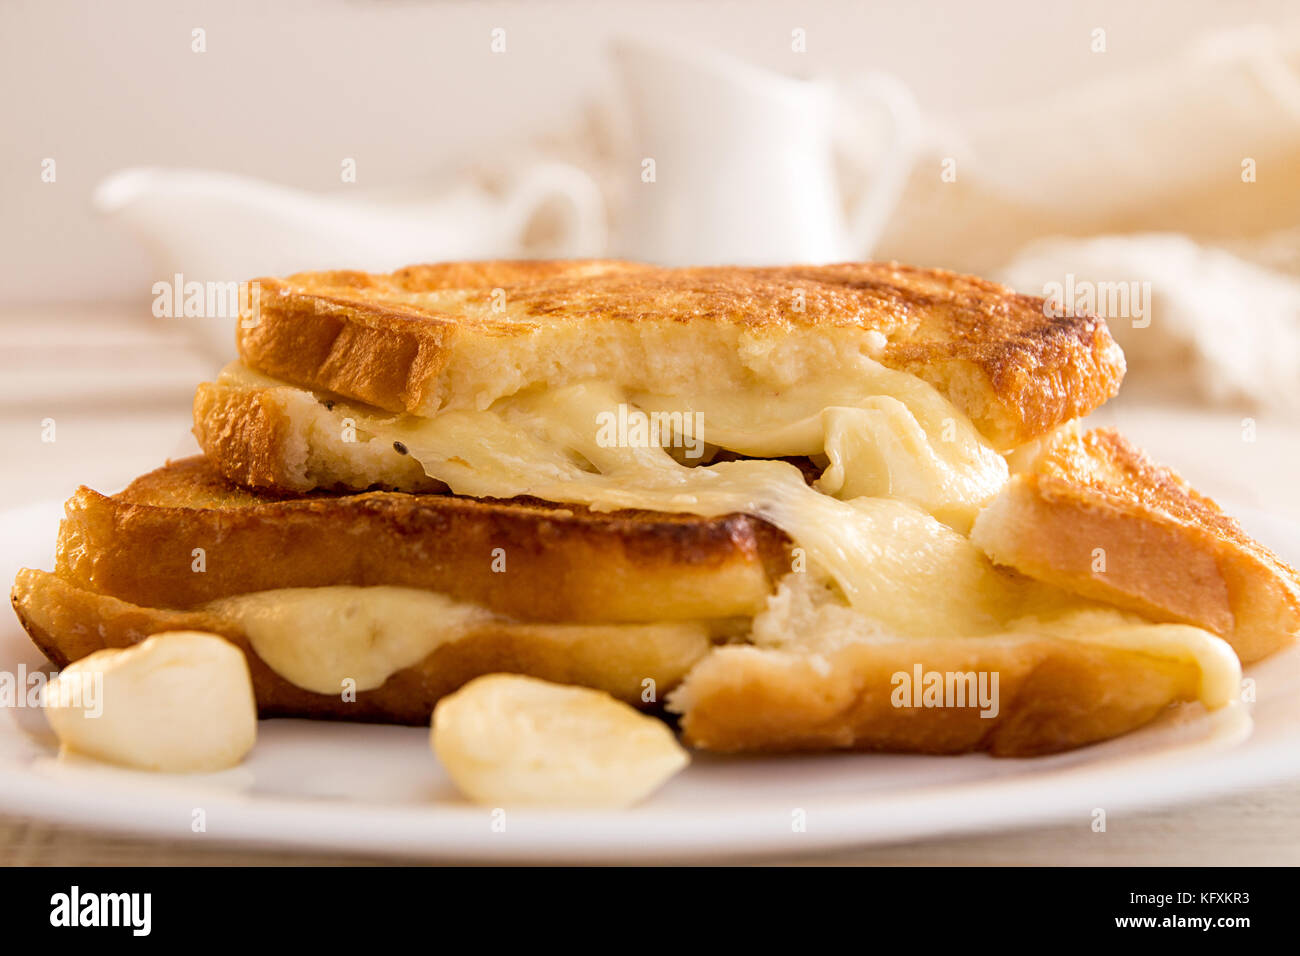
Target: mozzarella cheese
905, 474
320, 638
341, 638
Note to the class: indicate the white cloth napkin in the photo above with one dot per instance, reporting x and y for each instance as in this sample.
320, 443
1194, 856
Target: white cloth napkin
1196, 318
1164, 149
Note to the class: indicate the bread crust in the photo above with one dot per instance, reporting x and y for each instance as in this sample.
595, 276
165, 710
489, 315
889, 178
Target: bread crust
67, 623
1053, 694
1094, 514
554, 564
251, 436
403, 341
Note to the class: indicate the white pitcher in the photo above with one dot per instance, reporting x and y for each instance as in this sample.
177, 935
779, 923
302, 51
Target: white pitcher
743, 158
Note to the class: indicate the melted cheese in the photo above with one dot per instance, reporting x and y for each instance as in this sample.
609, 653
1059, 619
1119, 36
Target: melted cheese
905, 475
803, 615
890, 558
319, 638
372, 632
887, 435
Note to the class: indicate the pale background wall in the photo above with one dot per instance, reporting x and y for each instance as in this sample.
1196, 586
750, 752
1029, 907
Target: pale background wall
286, 90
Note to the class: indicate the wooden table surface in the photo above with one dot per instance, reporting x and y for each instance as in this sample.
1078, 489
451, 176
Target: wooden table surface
88, 368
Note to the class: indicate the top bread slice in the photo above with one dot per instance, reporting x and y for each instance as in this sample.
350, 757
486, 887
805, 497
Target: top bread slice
1091, 513
460, 335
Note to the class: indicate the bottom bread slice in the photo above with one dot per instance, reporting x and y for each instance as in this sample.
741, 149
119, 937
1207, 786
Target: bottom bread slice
1053, 694
68, 622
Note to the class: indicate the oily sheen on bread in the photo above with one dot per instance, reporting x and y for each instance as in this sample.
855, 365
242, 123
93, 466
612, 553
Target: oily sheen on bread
460, 335
1093, 514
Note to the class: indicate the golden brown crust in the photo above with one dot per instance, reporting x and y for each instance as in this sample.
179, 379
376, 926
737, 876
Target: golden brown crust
481, 274
247, 431
251, 437
561, 563
367, 334
1093, 514
67, 623
395, 341
1053, 695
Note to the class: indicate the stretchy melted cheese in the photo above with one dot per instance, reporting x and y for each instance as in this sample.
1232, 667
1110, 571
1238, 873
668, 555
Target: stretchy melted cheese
905, 475
887, 434
892, 560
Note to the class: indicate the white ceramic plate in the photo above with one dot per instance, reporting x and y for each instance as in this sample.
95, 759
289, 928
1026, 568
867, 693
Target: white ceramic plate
378, 790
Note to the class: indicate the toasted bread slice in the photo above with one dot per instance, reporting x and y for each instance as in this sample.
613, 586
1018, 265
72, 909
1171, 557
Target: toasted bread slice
68, 622
283, 439
1093, 514
181, 536
1053, 694
460, 335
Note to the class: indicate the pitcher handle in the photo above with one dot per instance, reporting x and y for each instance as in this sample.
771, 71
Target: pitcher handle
584, 231
873, 208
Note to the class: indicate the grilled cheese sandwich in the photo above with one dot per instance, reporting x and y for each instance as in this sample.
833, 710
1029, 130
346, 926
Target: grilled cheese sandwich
869, 416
